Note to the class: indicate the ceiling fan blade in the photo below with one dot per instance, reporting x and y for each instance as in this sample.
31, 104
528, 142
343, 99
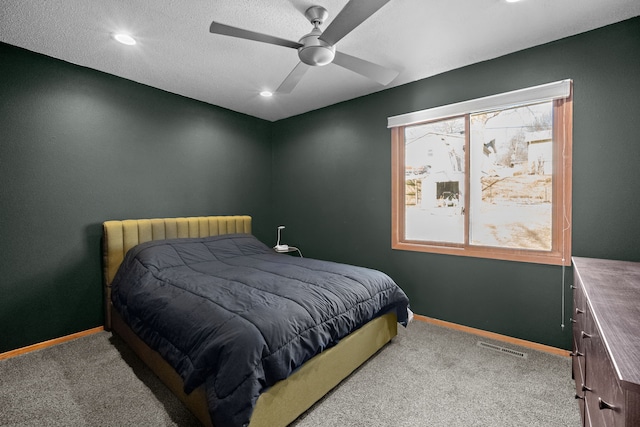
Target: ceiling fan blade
293, 78
227, 30
376, 72
353, 14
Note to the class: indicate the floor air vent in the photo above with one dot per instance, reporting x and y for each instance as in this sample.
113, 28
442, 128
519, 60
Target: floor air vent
504, 350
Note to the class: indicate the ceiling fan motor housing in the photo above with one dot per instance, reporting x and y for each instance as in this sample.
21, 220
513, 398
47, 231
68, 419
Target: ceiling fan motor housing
315, 51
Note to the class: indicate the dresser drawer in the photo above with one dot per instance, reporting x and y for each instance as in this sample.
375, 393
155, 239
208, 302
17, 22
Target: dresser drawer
578, 373
578, 316
604, 399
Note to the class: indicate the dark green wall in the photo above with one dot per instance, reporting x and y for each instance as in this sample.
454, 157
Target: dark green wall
78, 147
332, 183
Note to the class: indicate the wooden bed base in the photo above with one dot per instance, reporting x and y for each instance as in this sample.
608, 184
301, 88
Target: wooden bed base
286, 400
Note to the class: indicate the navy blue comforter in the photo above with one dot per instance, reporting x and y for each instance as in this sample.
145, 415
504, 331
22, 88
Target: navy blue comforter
229, 312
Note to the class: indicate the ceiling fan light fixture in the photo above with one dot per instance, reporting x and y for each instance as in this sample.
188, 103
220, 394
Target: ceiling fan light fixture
315, 51
317, 55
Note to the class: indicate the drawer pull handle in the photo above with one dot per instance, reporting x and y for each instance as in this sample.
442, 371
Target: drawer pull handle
576, 353
585, 388
604, 405
573, 287
572, 320
579, 397
585, 335
578, 311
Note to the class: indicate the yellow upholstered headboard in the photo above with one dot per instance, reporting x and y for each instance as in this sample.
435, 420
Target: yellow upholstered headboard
120, 236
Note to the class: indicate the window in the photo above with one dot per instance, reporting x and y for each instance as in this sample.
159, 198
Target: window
490, 177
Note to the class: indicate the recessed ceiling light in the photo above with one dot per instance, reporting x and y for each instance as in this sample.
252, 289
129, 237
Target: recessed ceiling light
125, 39
266, 93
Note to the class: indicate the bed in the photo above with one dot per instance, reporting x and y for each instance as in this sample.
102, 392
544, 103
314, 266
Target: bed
280, 401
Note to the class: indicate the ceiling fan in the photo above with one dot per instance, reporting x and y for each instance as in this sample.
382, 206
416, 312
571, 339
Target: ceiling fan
318, 47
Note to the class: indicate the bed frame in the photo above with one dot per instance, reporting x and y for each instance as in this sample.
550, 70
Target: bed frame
286, 400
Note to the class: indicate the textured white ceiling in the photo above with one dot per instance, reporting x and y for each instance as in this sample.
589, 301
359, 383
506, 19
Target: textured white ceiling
176, 52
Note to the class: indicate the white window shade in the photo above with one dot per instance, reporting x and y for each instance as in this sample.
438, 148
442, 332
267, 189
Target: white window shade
545, 92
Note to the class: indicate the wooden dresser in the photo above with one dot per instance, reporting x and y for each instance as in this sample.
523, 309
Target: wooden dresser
606, 341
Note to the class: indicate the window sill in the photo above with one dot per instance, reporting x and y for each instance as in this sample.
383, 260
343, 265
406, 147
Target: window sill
536, 257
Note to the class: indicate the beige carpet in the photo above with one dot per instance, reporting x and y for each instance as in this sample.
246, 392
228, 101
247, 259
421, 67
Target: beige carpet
427, 376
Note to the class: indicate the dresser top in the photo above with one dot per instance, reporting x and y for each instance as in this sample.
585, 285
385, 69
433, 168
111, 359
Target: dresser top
612, 289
